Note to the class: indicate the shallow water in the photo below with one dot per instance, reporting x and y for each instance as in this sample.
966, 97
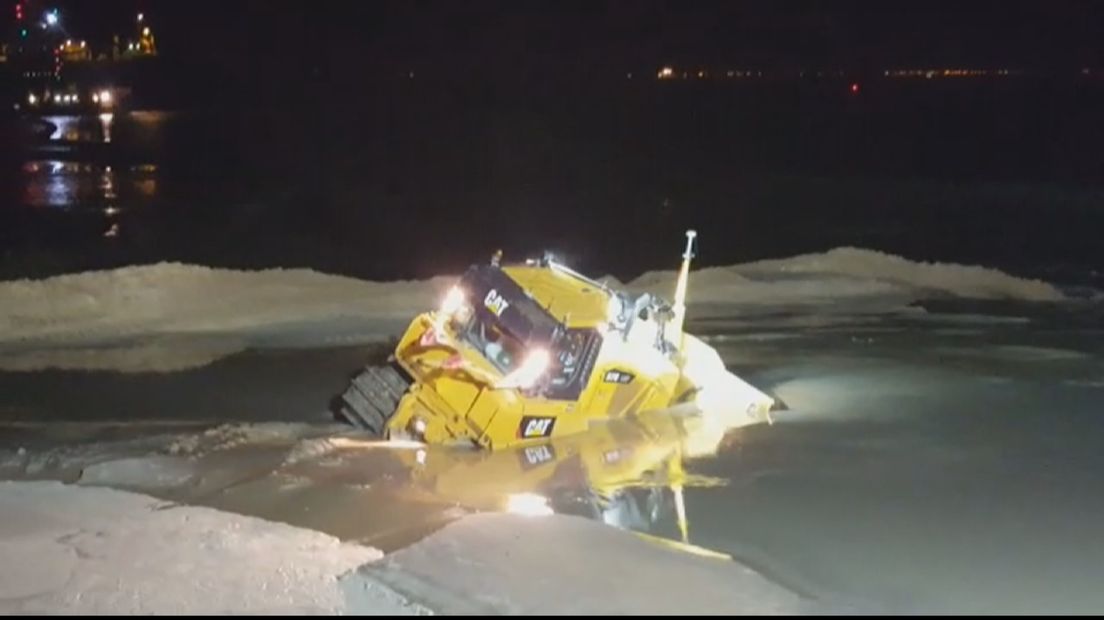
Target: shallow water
927, 462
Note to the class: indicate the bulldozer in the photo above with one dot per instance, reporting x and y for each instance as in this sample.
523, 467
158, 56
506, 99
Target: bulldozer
523, 353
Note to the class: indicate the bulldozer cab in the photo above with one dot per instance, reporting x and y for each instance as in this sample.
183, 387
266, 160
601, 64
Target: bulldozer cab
505, 323
573, 360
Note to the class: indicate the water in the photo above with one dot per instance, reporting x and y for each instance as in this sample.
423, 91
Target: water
943, 467
289, 385
1000, 173
939, 462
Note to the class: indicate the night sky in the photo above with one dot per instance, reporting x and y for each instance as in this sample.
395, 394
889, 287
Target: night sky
573, 37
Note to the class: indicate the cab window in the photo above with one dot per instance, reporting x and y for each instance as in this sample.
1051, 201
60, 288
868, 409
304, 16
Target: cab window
501, 349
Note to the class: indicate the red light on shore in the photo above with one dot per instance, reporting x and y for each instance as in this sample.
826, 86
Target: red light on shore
854, 88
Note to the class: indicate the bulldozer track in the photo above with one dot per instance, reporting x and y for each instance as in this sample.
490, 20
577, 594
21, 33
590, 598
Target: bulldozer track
371, 398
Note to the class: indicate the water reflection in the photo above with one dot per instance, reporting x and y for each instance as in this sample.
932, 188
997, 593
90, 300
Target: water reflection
107, 184
77, 128
71, 173
146, 186
628, 473
74, 185
106, 119
82, 128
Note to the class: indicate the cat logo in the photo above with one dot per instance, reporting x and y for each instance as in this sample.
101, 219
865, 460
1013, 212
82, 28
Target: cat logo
536, 427
534, 456
495, 303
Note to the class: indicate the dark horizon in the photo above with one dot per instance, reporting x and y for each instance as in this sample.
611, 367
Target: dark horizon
571, 37
289, 133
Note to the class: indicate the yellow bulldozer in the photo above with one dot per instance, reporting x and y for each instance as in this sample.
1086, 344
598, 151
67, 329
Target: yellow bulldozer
520, 354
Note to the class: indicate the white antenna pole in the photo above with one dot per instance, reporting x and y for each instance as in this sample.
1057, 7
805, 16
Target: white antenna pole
680, 286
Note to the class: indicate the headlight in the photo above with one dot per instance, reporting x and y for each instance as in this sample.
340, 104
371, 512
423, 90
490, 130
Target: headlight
536, 362
453, 301
528, 505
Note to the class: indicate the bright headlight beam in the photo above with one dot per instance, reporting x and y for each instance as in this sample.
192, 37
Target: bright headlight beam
453, 301
528, 505
536, 362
